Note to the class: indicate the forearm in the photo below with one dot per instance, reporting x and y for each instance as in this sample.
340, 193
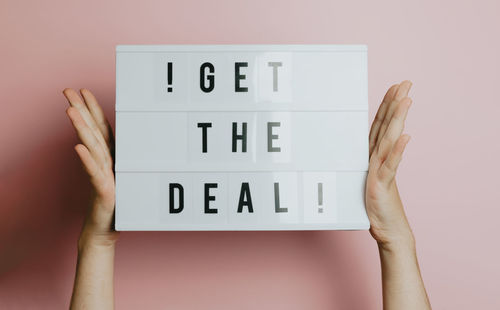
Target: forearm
402, 283
93, 288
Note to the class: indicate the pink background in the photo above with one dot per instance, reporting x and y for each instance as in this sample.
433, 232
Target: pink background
448, 180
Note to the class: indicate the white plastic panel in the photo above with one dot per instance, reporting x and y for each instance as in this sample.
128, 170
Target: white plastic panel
302, 163
172, 141
143, 201
305, 81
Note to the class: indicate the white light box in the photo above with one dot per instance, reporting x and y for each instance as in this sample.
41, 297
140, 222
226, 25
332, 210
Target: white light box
241, 137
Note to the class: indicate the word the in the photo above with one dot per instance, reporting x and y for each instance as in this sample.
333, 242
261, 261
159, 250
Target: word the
242, 137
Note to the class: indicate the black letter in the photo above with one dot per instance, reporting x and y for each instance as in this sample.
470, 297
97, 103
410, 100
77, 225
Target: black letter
271, 137
173, 186
277, 207
169, 77
275, 66
238, 76
210, 77
209, 198
242, 137
204, 127
320, 197
245, 191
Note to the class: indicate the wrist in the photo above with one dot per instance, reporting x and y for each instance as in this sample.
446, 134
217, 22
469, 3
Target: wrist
97, 231
393, 235
90, 238
404, 243
86, 243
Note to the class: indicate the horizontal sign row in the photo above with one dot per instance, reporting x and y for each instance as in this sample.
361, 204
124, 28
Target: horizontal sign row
241, 141
324, 80
221, 201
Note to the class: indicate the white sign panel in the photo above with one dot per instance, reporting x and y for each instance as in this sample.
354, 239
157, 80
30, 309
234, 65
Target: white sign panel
241, 137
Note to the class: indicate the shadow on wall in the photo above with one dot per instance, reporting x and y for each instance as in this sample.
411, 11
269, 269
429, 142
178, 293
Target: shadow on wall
45, 192
258, 270
41, 192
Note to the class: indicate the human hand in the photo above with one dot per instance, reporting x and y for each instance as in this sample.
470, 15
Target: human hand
96, 155
389, 225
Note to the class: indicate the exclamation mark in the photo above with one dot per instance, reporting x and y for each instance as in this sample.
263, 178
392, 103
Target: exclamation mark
169, 77
320, 197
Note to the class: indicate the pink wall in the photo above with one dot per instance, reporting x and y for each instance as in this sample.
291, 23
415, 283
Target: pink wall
449, 177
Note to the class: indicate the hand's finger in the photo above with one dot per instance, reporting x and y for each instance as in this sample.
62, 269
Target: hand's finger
76, 102
374, 164
379, 117
98, 115
396, 127
388, 169
401, 93
88, 162
87, 137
